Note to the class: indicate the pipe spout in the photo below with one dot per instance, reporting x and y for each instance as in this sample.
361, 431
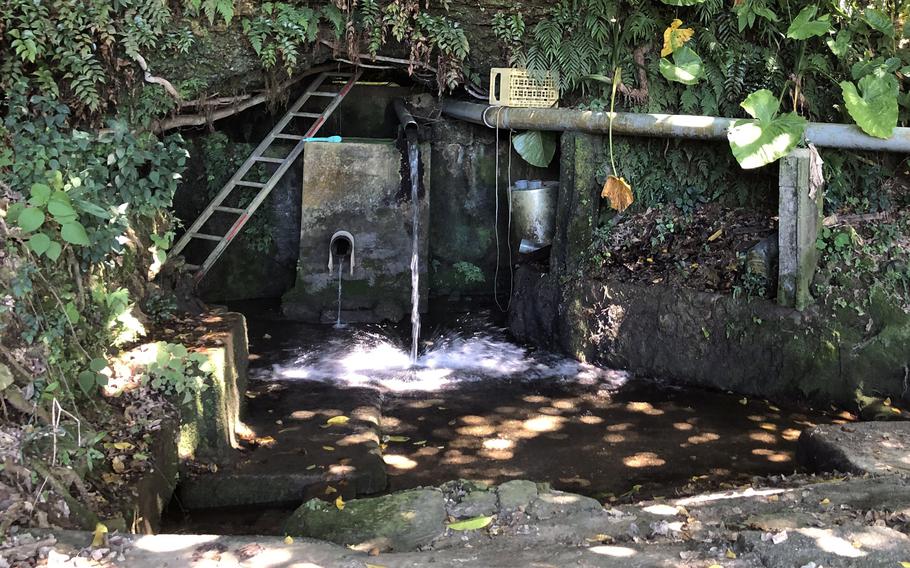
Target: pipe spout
404, 116
341, 245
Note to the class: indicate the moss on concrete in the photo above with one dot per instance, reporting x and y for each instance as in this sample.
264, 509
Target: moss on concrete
209, 421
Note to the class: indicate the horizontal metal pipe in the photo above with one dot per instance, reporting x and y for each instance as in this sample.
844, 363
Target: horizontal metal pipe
828, 135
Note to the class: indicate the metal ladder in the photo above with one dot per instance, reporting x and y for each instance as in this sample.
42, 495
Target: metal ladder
258, 156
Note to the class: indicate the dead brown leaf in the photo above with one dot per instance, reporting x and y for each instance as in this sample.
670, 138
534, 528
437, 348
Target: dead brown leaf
619, 192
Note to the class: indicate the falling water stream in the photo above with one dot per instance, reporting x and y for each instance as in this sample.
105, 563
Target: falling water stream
413, 159
338, 323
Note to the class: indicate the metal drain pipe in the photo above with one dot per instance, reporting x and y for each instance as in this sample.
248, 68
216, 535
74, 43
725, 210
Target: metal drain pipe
827, 135
404, 115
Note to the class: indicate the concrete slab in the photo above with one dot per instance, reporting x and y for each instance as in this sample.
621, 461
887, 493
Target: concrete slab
865, 447
293, 453
833, 523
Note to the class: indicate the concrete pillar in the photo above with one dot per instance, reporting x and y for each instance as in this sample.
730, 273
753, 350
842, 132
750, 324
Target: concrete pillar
801, 202
578, 202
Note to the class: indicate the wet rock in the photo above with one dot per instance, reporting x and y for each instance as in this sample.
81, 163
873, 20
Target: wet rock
515, 495
869, 447
401, 521
474, 504
558, 504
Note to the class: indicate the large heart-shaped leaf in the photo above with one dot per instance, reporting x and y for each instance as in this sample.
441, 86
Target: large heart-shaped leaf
687, 67
879, 21
875, 112
769, 137
840, 44
536, 147
804, 27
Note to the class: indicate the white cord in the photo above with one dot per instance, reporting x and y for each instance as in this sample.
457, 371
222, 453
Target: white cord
496, 217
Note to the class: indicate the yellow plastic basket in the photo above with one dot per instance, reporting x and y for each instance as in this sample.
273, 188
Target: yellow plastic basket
518, 88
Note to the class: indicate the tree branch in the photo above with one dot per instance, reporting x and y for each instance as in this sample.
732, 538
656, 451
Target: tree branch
205, 118
149, 78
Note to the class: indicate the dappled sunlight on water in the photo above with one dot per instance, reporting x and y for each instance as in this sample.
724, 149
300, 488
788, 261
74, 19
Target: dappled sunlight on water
354, 357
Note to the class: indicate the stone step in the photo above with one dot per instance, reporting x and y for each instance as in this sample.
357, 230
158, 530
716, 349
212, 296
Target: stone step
296, 455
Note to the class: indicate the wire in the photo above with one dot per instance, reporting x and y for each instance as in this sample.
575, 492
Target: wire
496, 214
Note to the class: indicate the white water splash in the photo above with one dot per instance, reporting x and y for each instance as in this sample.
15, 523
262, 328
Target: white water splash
373, 359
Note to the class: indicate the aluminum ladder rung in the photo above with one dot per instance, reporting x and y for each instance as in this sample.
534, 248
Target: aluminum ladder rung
284, 164
206, 237
235, 210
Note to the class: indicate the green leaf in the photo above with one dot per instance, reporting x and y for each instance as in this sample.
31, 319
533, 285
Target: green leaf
40, 194
537, 148
769, 137
30, 219
13, 212
876, 111
72, 313
97, 364
6, 377
804, 27
59, 210
74, 233
53, 250
87, 381
879, 21
682, 2
687, 67
840, 44
471, 524
39, 243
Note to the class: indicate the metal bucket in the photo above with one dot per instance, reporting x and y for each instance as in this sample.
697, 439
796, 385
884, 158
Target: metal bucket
533, 214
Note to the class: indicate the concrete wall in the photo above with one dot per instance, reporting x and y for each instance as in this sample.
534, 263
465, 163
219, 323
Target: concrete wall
463, 210
356, 186
754, 347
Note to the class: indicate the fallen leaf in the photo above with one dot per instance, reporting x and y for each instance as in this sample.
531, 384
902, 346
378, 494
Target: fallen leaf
288, 540
619, 192
857, 544
98, 535
716, 235
329, 490
118, 465
905, 564
887, 401
311, 467
123, 446
824, 501
328, 448
730, 554
398, 438
339, 502
337, 420
744, 401
375, 566
420, 443
471, 524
